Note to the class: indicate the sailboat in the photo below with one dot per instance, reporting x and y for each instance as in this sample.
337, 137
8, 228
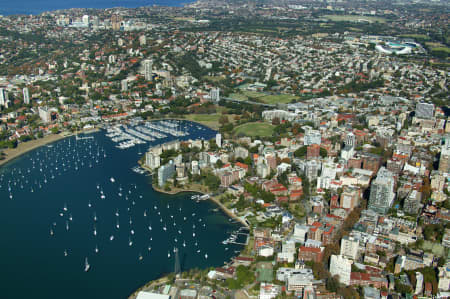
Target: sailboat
65, 252
140, 257
130, 243
86, 265
96, 249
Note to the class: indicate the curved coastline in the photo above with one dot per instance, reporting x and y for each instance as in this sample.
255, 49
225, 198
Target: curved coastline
25, 147
165, 278
213, 199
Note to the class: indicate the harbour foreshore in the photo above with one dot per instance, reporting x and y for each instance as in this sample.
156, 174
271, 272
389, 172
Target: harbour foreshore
24, 147
198, 190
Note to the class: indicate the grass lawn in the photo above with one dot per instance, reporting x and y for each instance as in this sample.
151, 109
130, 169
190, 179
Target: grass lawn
255, 129
418, 36
268, 99
437, 249
434, 45
210, 120
443, 49
275, 99
213, 78
238, 96
352, 18
253, 94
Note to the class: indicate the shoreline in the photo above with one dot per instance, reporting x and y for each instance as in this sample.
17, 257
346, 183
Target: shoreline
164, 278
213, 199
25, 147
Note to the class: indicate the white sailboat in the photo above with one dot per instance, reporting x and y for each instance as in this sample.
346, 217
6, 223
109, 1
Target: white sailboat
86, 265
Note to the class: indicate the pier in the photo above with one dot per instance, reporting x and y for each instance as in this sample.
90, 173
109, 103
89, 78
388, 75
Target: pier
83, 138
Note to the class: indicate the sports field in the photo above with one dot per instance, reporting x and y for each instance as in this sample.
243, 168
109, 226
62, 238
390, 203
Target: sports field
255, 129
353, 18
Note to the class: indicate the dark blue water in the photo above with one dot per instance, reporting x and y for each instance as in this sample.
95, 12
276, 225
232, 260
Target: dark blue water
38, 6
73, 174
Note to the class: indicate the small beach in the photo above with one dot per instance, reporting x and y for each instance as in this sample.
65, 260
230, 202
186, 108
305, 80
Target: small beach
24, 147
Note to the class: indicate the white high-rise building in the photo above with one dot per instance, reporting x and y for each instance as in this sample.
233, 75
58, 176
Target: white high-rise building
214, 94
3, 97
124, 85
85, 20
349, 247
148, 67
219, 140
312, 137
424, 110
142, 40
419, 283
444, 278
112, 59
300, 232
342, 267
26, 96
350, 140
151, 160
382, 191
45, 114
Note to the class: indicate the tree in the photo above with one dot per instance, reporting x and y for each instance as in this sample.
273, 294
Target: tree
219, 164
275, 121
223, 120
301, 152
323, 152
211, 181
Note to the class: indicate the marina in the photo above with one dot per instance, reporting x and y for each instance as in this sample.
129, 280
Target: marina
97, 210
143, 132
